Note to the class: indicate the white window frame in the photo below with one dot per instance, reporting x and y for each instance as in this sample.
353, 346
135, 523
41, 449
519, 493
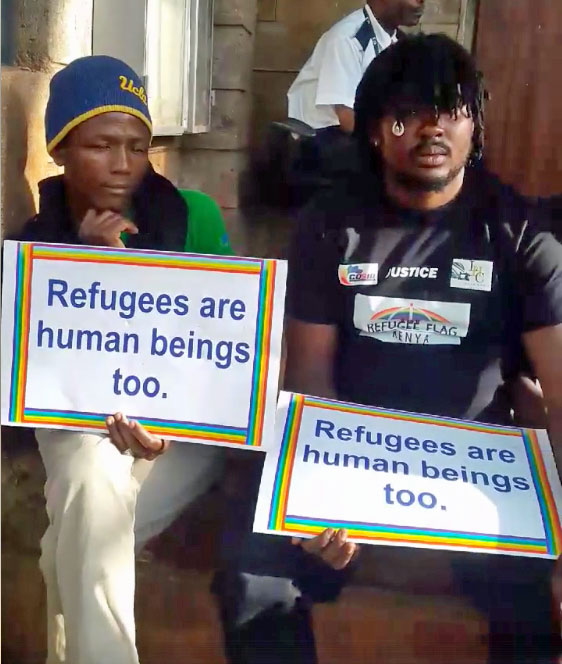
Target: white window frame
196, 119
120, 29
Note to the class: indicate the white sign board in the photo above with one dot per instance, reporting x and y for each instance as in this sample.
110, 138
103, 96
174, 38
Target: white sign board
395, 478
188, 345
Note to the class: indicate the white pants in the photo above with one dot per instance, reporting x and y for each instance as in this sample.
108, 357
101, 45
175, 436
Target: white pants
101, 506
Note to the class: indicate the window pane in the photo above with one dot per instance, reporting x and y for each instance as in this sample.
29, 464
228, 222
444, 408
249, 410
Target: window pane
165, 57
8, 39
118, 30
200, 66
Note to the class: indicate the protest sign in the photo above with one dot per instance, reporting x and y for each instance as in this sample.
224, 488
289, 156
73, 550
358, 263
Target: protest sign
396, 478
188, 345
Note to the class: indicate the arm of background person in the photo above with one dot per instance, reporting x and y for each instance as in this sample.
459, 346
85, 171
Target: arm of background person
346, 116
338, 78
544, 347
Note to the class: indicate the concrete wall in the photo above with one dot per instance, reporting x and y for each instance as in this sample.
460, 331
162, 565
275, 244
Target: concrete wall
51, 33
217, 162
288, 30
46, 35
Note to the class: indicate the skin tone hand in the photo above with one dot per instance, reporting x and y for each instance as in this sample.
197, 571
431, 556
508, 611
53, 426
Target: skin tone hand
130, 435
105, 229
331, 547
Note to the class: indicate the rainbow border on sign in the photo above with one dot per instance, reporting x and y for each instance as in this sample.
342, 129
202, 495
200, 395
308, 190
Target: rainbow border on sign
279, 520
27, 253
549, 513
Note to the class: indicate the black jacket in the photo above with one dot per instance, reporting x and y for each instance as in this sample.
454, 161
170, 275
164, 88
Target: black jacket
160, 214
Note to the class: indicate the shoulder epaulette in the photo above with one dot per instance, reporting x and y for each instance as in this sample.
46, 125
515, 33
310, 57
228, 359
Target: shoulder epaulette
365, 34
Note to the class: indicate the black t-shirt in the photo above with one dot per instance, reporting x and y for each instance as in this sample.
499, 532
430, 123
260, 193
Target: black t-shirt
430, 307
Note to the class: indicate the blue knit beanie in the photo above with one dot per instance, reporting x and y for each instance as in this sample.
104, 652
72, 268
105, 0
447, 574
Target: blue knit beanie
88, 87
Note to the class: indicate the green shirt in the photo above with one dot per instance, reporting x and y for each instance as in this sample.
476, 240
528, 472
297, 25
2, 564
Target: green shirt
206, 233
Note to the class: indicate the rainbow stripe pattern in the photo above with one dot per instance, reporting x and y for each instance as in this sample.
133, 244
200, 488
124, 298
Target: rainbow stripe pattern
409, 314
279, 520
265, 270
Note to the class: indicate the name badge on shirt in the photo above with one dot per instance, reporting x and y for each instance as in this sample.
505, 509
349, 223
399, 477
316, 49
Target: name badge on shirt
472, 275
359, 274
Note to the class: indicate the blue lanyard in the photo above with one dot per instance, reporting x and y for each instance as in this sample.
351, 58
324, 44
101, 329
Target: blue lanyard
374, 40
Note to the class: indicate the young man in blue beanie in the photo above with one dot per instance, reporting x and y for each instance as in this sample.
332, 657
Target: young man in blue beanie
107, 495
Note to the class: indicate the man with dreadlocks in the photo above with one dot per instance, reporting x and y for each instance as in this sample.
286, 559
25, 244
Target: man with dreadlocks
435, 238
434, 232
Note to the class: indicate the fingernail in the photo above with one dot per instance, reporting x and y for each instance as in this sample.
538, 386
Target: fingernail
131, 424
343, 534
109, 421
118, 417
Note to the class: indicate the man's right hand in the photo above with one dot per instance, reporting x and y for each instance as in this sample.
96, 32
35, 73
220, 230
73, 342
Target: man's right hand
104, 229
331, 547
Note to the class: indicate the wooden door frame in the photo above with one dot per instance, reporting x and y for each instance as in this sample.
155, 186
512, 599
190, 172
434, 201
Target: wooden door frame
468, 21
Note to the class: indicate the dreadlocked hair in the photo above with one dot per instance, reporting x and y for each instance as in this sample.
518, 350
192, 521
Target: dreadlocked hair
421, 71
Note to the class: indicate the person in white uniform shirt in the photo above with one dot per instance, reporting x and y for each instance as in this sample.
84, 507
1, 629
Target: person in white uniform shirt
323, 93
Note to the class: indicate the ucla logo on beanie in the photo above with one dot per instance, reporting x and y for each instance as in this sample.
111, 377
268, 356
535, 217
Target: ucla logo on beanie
88, 87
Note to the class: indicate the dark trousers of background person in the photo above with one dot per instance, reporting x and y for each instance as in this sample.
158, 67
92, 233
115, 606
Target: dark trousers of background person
266, 588
329, 155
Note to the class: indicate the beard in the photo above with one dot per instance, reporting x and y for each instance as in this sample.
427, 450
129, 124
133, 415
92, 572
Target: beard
419, 184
